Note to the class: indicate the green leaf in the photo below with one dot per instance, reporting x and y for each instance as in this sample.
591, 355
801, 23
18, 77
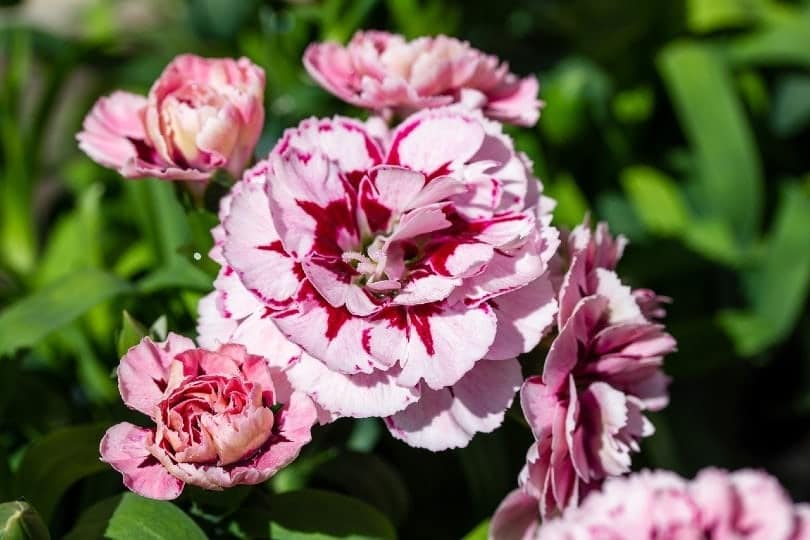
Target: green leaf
179, 273
365, 435
34, 317
52, 464
791, 105
614, 208
337, 517
480, 532
635, 105
380, 485
93, 374
160, 215
19, 521
711, 15
93, 522
713, 240
138, 518
656, 199
571, 203
570, 91
777, 285
729, 185
785, 43
130, 335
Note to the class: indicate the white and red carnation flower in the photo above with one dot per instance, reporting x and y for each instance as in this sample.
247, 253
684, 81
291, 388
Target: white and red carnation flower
400, 274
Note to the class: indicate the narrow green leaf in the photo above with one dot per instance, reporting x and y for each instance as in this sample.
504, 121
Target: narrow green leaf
179, 273
777, 285
19, 521
711, 15
729, 185
656, 199
17, 229
131, 333
94, 376
137, 518
337, 517
785, 43
160, 215
713, 240
52, 464
34, 317
480, 532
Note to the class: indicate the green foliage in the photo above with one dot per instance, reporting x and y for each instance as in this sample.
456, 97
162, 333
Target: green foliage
338, 516
51, 465
36, 316
481, 532
19, 521
727, 179
135, 517
656, 200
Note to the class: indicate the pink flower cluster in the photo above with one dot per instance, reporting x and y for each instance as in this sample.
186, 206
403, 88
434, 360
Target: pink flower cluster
659, 505
215, 420
384, 72
401, 272
376, 271
200, 115
602, 372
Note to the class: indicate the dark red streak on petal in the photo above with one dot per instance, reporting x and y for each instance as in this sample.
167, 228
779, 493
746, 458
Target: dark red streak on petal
393, 154
273, 246
328, 221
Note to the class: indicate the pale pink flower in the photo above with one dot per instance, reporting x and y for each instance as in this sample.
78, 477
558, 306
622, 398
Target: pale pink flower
659, 505
219, 420
602, 372
400, 278
201, 115
385, 72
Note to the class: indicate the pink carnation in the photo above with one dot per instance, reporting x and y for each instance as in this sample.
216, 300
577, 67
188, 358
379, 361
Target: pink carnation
384, 72
216, 423
400, 279
602, 373
200, 115
659, 505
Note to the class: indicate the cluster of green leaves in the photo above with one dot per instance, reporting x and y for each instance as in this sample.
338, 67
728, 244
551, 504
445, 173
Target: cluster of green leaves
684, 123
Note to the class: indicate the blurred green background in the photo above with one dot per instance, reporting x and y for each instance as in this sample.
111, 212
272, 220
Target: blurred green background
685, 124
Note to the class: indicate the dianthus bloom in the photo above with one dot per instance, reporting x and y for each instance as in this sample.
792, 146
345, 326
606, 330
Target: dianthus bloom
602, 372
659, 505
399, 276
200, 115
384, 72
219, 419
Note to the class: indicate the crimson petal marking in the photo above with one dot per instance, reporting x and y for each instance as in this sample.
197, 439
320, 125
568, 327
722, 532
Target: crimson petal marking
250, 247
444, 342
429, 140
